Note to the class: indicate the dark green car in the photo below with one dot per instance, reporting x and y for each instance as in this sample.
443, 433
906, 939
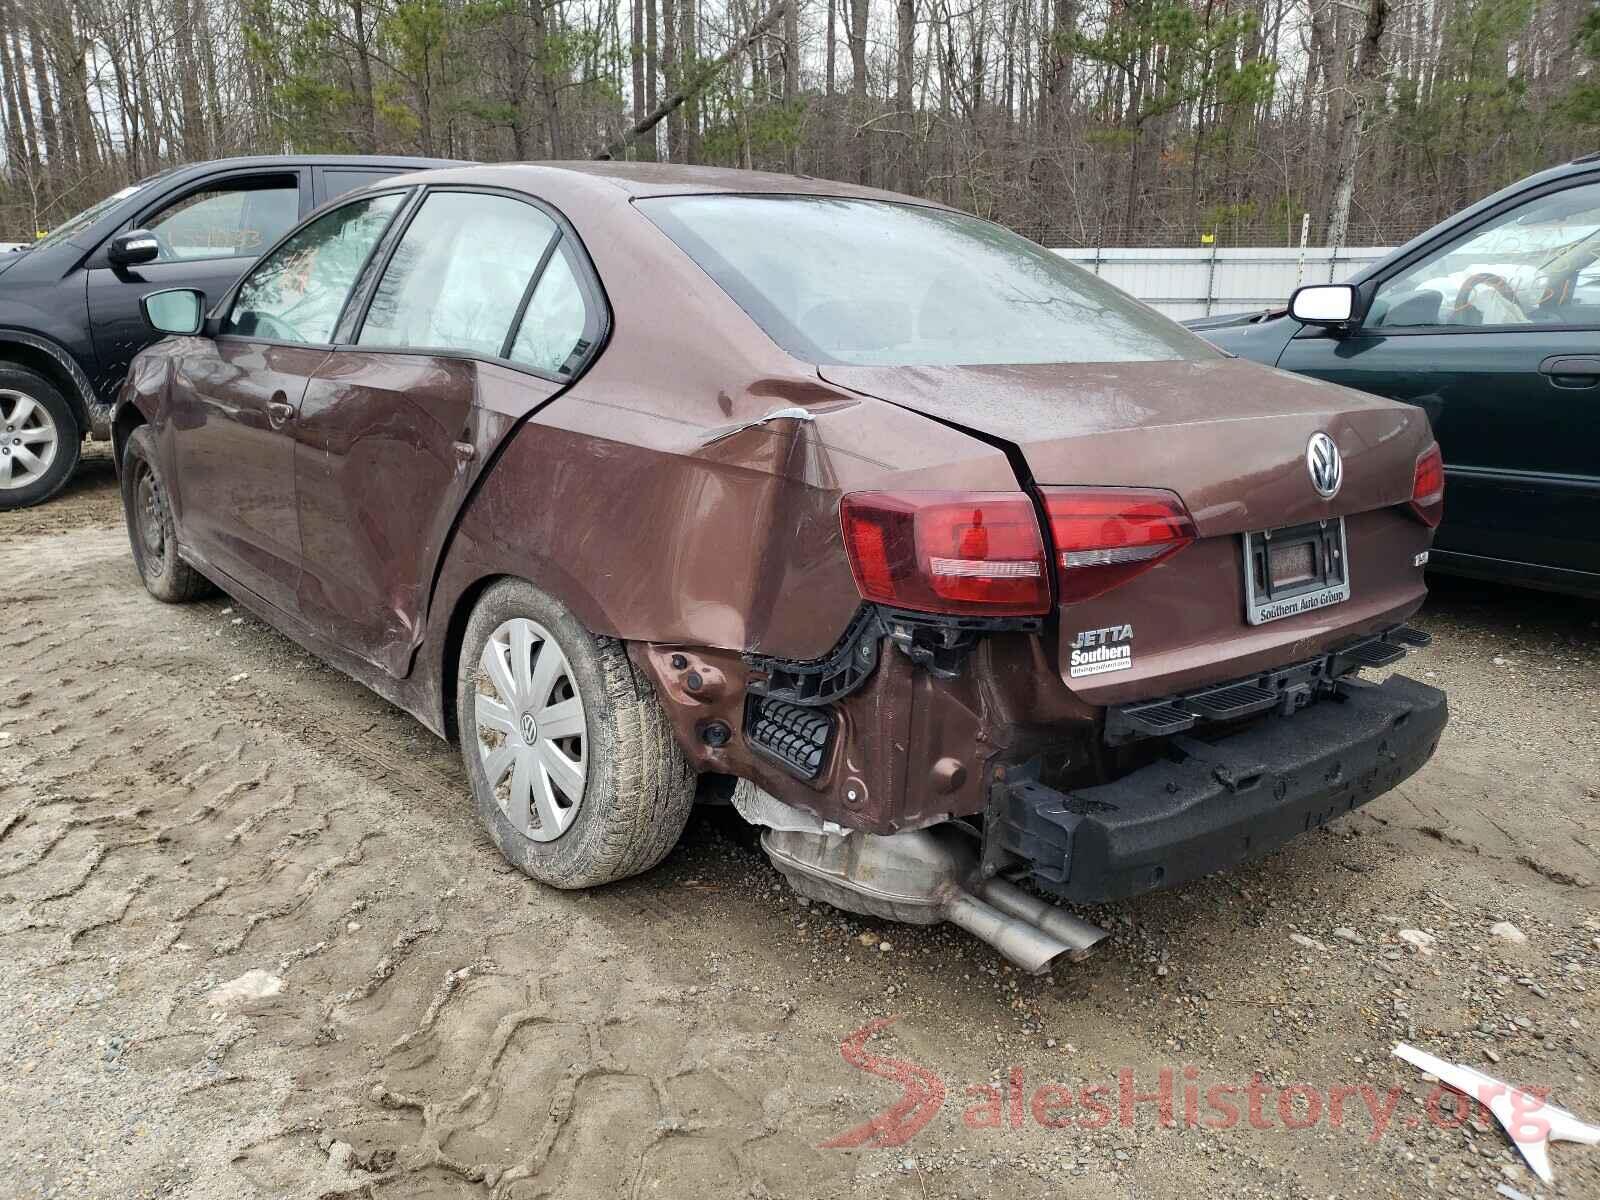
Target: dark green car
1490, 322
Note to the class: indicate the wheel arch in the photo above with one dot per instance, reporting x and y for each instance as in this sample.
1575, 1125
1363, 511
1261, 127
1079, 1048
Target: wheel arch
52, 360
455, 634
127, 417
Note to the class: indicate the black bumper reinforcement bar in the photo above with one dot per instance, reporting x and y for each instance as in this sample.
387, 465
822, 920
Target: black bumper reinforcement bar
1211, 804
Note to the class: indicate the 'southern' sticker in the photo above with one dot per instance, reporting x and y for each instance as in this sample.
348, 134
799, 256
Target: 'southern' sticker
1097, 651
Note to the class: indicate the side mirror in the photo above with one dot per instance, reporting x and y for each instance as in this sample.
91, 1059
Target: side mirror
132, 248
177, 310
1324, 304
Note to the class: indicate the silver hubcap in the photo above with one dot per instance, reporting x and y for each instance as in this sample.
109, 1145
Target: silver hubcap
28, 439
532, 737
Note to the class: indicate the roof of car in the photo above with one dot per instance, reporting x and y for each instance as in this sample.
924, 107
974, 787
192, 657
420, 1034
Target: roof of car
661, 179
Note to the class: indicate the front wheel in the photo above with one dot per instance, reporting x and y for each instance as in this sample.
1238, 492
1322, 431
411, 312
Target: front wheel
573, 766
150, 527
39, 438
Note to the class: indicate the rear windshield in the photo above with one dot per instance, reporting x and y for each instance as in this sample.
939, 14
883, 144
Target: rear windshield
875, 283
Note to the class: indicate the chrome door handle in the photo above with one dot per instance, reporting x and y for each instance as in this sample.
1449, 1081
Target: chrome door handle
465, 452
278, 413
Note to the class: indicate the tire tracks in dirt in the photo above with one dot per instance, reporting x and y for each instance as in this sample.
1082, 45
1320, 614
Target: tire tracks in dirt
169, 832
184, 799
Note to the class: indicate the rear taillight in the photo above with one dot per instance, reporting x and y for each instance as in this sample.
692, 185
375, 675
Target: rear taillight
947, 552
1427, 487
1105, 536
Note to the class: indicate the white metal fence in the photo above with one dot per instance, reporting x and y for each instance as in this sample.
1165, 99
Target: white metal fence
1207, 280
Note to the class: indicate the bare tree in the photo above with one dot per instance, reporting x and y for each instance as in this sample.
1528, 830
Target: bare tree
1133, 121
1348, 149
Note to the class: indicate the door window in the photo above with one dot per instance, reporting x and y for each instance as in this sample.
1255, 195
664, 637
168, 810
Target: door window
550, 337
1533, 265
237, 218
458, 275
297, 292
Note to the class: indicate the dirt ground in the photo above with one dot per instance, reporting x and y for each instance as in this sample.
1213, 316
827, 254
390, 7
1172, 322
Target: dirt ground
186, 797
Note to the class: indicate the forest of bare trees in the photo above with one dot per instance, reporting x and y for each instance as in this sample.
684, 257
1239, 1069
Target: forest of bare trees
1078, 122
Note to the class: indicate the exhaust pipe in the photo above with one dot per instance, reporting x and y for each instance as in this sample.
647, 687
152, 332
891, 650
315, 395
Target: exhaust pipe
1079, 935
1030, 947
919, 877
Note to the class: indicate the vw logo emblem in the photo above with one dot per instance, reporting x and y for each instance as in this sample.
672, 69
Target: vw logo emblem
530, 728
1325, 465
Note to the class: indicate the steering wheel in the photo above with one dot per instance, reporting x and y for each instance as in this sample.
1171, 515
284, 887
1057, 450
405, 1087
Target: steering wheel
268, 326
1490, 279
164, 250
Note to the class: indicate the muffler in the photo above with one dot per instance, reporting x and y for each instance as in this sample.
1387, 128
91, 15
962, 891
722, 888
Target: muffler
921, 877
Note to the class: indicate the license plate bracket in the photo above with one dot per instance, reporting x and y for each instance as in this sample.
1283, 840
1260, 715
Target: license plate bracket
1295, 570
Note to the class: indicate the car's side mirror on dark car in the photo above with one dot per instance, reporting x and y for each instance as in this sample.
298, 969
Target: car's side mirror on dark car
177, 310
132, 248
1331, 304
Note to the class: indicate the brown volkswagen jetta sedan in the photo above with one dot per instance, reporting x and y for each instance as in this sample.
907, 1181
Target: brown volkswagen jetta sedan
947, 563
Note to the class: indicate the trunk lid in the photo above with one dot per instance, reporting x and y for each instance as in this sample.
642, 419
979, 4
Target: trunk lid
1228, 436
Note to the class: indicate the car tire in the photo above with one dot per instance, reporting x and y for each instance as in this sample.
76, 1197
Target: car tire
634, 787
34, 415
151, 532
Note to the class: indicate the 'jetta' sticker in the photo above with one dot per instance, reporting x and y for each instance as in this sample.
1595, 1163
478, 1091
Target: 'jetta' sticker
1096, 651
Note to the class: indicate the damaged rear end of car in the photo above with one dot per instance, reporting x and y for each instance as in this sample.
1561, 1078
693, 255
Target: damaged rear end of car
1134, 660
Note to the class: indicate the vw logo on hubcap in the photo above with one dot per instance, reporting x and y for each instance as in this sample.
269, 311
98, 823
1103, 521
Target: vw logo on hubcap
530, 728
1325, 465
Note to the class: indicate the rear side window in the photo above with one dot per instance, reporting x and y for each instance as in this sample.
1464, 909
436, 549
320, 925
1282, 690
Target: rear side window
296, 293
458, 276
876, 283
551, 336
336, 181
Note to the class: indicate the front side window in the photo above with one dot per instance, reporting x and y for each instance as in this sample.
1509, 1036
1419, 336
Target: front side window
877, 283
297, 292
238, 218
1533, 265
458, 275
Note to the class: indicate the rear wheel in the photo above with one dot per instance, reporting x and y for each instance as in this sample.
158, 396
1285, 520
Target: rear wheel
150, 527
571, 758
39, 438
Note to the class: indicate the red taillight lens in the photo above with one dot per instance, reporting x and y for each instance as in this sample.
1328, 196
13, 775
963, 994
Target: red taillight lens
1105, 536
947, 552
1427, 488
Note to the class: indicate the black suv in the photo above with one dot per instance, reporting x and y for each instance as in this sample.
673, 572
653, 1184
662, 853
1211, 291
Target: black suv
69, 304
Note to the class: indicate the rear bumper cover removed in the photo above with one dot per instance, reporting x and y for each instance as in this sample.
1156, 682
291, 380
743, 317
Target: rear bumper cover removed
1214, 804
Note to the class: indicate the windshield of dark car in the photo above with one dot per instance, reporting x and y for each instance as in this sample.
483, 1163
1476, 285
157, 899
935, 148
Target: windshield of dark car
877, 283
74, 225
